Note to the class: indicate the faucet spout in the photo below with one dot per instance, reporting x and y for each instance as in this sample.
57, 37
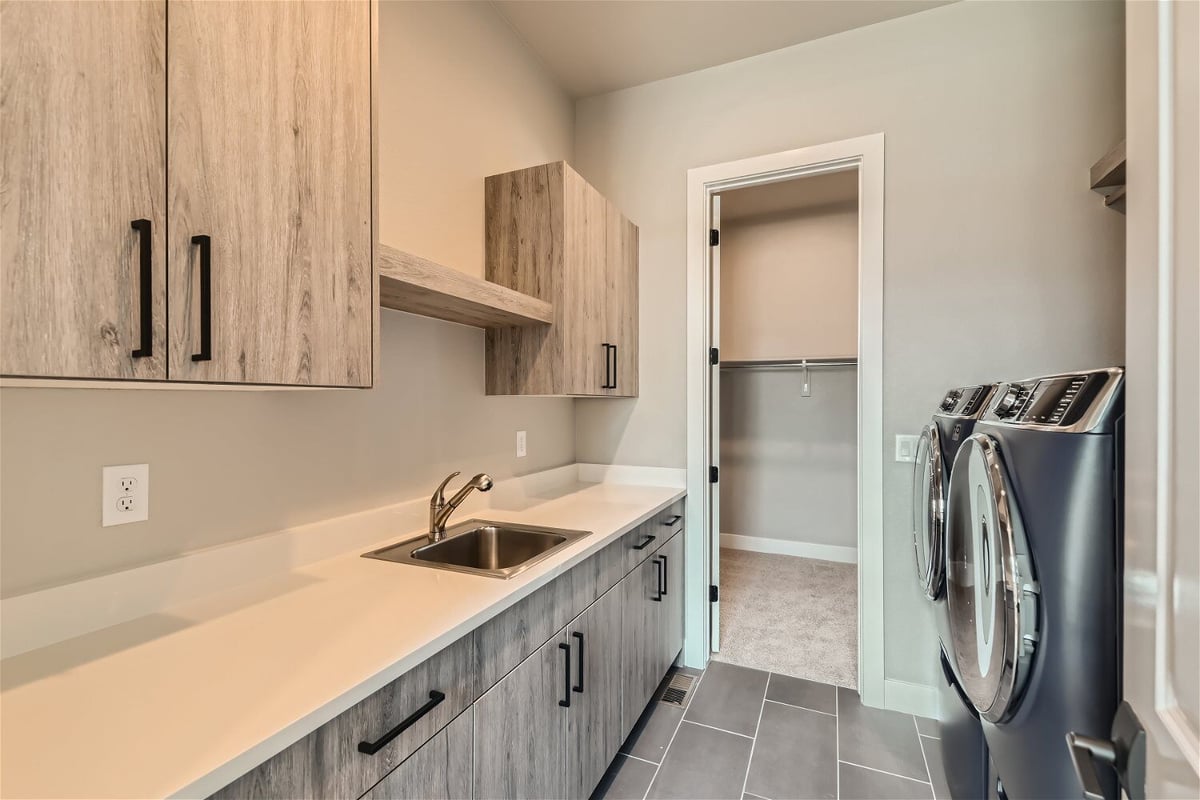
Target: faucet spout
440, 508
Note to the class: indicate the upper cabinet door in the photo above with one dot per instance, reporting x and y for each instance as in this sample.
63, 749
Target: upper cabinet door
584, 314
622, 293
270, 192
82, 132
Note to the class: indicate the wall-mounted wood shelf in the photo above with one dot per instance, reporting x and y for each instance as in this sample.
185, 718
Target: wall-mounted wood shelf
1108, 177
420, 286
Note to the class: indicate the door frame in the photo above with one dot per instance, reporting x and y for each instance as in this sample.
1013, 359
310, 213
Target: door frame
866, 154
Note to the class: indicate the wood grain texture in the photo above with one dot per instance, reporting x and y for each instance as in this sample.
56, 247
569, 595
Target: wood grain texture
82, 144
671, 629
621, 319
420, 286
327, 764
271, 155
440, 770
594, 732
521, 731
640, 648
547, 235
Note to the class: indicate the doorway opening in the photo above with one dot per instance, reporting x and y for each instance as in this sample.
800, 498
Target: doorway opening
785, 426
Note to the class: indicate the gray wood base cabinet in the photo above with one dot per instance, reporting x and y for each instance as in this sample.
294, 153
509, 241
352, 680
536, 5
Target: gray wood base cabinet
533, 704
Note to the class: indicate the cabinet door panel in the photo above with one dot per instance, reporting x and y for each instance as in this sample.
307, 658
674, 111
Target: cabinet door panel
671, 631
622, 295
586, 306
520, 730
440, 770
640, 619
82, 132
594, 721
270, 156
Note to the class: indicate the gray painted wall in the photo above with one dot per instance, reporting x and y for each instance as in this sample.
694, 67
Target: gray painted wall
789, 463
998, 259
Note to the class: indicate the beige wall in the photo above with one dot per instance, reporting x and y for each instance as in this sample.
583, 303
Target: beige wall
998, 260
460, 98
789, 284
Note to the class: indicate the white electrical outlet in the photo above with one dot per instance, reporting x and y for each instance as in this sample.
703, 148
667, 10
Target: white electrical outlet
125, 494
522, 451
906, 448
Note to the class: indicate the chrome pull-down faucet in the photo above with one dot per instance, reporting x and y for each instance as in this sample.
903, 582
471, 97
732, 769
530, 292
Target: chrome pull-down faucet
440, 508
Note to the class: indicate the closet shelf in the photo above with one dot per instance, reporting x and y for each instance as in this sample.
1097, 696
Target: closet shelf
1108, 177
792, 363
420, 286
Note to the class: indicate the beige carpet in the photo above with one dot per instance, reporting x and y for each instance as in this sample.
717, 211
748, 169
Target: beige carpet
795, 616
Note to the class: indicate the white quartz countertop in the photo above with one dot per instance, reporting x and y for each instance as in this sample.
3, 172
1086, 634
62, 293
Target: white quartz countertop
183, 701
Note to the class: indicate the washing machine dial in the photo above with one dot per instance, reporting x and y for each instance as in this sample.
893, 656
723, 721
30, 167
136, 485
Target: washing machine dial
1007, 402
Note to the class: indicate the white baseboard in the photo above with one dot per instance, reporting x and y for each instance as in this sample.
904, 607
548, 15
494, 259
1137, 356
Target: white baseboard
910, 698
761, 544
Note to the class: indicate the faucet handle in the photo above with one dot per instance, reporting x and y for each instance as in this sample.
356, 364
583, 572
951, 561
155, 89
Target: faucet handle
439, 499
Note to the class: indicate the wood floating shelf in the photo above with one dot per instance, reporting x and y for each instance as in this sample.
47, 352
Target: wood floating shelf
420, 286
1108, 178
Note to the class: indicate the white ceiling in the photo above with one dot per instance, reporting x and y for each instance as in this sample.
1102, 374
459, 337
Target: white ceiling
794, 195
596, 46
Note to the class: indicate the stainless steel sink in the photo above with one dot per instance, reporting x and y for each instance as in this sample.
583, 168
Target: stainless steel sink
496, 549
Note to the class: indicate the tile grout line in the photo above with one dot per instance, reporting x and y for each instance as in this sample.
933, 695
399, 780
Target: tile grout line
885, 772
802, 708
715, 728
925, 758
757, 796
754, 739
674, 733
928, 736
837, 745
638, 758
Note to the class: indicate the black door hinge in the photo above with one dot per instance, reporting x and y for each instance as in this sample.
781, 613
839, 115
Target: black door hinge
713, 474
714, 356
713, 594
714, 237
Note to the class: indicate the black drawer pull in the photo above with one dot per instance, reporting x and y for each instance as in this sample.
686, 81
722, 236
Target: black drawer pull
614, 368
650, 538
608, 381
658, 580
669, 521
145, 298
578, 687
566, 701
664, 576
371, 748
205, 243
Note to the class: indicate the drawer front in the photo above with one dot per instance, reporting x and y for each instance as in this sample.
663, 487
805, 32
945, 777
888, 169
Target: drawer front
327, 763
440, 770
651, 535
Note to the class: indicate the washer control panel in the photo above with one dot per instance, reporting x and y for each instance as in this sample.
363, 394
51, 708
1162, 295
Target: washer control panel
1056, 401
969, 401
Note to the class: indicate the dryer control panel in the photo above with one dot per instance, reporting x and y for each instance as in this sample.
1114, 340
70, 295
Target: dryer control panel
969, 401
1073, 401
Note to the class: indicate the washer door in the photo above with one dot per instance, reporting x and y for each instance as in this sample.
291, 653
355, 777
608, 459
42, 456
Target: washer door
929, 503
990, 590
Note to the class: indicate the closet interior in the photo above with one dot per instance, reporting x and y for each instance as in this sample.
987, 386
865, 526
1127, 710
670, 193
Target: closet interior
788, 427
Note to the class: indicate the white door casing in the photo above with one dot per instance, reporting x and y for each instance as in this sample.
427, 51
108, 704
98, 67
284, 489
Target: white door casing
1162, 435
714, 438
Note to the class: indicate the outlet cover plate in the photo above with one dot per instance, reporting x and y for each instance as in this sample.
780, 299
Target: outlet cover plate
522, 450
125, 494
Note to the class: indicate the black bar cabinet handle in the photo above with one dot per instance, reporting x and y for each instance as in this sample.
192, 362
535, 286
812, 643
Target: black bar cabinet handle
566, 701
649, 538
578, 687
669, 521
664, 576
205, 243
371, 748
607, 373
657, 581
145, 298
614, 368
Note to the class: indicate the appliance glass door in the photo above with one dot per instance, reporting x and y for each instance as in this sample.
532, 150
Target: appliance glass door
990, 592
928, 512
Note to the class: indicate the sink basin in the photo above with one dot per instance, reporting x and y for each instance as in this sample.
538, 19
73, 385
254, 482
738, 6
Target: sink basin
495, 549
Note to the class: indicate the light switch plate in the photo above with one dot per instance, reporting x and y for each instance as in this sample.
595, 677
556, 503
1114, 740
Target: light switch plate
125, 494
522, 450
906, 448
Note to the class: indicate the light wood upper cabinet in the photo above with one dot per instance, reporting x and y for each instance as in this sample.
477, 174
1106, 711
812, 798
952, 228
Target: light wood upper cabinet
551, 235
241, 132
270, 157
83, 133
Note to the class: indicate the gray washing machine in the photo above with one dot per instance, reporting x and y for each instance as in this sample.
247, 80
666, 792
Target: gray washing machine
964, 753
1033, 572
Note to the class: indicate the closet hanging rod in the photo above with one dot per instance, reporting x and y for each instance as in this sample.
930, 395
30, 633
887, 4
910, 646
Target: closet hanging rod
791, 363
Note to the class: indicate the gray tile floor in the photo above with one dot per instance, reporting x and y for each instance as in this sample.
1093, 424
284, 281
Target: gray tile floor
748, 734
